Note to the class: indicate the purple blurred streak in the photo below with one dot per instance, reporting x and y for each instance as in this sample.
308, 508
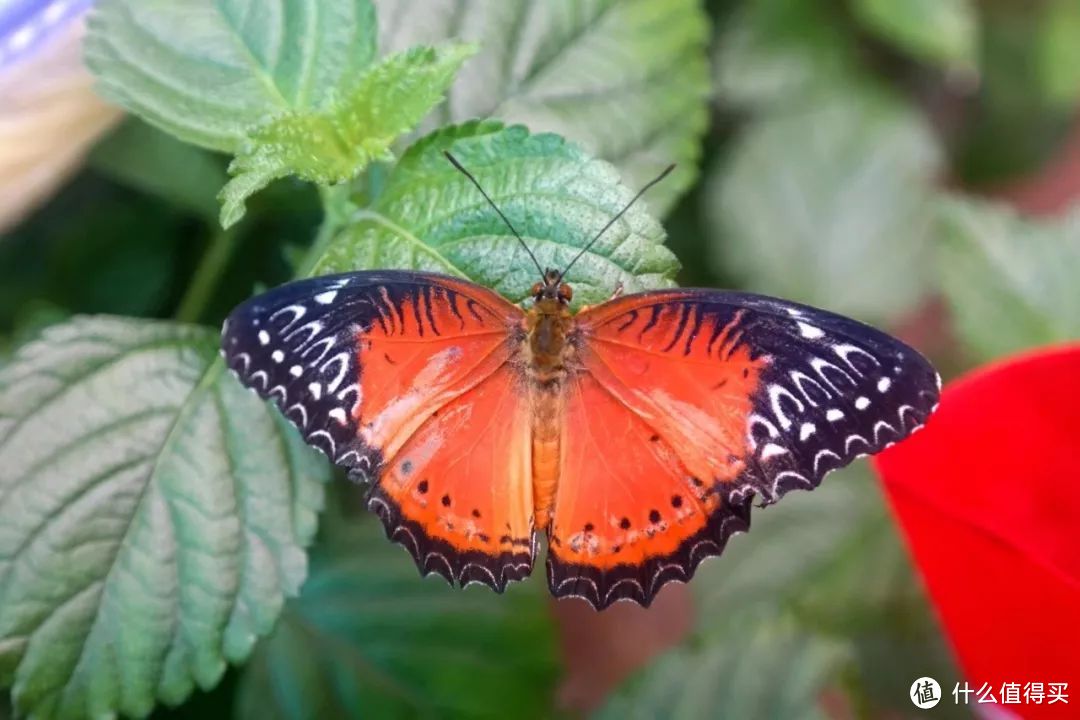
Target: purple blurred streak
26, 25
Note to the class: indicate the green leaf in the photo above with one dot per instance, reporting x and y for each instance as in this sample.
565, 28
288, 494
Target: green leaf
788, 548
154, 162
209, 70
945, 32
628, 79
1010, 282
829, 204
1059, 51
830, 563
369, 638
768, 670
430, 217
387, 99
782, 52
153, 515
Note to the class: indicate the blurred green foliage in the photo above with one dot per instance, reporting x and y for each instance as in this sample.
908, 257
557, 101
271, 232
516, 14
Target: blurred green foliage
826, 162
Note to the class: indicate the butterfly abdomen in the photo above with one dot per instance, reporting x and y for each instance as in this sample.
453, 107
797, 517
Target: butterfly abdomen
547, 408
548, 324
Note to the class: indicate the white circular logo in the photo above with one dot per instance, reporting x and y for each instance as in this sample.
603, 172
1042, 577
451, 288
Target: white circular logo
925, 693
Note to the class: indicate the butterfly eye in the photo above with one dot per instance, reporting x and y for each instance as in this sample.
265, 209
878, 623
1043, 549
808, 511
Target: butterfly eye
566, 293
537, 288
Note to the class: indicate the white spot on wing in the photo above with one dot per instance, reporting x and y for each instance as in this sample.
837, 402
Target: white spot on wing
772, 450
883, 384
810, 332
834, 415
806, 431
844, 351
264, 337
861, 403
775, 391
297, 313
326, 298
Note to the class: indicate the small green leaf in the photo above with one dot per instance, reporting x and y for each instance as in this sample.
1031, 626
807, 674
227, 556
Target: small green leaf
153, 515
782, 52
369, 638
1059, 51
628, 79
430, 217
945, 32
1010, 282
333, 145
209, 70
770, 670
829, 204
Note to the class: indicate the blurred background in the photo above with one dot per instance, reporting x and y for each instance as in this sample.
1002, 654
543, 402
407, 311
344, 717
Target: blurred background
913, 164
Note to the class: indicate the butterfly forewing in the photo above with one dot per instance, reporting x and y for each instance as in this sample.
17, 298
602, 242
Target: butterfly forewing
297, 346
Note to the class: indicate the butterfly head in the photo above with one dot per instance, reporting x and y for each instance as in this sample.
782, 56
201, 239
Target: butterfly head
553, 288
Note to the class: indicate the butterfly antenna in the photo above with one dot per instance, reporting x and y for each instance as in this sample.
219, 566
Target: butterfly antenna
615, 219
461, 168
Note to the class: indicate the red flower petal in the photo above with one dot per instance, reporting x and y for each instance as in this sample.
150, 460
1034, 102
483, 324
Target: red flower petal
989, 499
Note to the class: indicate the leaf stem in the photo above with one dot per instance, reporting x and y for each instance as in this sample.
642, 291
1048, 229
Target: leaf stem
207, 274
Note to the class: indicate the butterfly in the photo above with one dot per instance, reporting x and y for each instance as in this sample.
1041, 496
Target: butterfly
635, 434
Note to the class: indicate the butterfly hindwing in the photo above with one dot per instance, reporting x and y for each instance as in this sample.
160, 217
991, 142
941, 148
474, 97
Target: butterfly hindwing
458, 494
395, 376
736, 396
629, 516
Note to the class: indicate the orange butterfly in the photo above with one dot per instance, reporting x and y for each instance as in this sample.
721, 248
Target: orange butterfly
635, 433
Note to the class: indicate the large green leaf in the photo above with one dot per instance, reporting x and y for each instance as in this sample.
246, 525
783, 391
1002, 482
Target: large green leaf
829, 204
288, 87
774, 52
153, 515
209, 70
369, 638
626, 78
429, 216
1010, 282
764, 670
939, 31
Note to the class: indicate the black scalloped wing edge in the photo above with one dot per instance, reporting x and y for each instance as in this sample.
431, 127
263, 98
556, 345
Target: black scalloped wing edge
432, 555
640, 584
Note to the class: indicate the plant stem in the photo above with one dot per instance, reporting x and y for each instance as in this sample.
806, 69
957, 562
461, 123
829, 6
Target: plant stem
207, 274
337, 209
